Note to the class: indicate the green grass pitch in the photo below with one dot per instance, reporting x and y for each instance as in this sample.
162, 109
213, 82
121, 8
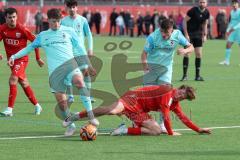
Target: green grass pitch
217, 105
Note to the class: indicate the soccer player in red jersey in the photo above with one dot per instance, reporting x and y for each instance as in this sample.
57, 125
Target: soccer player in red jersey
15, 37
137, 103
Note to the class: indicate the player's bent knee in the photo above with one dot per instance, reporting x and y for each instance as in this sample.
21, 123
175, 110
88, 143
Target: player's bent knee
79, 83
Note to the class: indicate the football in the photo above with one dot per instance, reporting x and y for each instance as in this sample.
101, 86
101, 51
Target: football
88, 132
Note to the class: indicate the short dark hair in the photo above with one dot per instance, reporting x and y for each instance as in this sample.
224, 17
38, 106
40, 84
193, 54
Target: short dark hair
70, 3
234, 1
166, 24
54, 13
10, 11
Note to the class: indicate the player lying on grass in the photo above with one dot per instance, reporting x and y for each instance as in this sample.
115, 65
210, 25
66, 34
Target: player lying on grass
137, 103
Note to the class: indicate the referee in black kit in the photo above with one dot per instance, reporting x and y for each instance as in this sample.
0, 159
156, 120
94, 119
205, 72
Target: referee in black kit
195, 30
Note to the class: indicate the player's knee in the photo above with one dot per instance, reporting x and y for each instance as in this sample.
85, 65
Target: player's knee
78, 82
62, 105
156, 131
24, 83
13, 80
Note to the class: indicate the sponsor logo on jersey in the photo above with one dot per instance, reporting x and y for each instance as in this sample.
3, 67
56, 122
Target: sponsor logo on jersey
18, 35
12, 41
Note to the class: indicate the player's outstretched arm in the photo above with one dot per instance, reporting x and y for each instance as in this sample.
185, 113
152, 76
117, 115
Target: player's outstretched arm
20, 54
188, 122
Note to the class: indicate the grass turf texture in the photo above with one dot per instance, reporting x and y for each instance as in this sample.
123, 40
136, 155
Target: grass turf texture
217, 104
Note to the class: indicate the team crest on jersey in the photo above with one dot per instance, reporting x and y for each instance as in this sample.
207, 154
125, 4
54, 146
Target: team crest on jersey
18, 35
64, 36
78, 26
172, 43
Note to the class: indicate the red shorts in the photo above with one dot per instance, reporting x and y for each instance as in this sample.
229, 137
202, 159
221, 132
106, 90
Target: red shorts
18, 69
135, 114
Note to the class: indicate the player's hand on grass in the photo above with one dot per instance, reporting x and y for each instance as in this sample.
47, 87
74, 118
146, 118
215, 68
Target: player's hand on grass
1, 56
11, 61
40, 62
176, 134
204, 131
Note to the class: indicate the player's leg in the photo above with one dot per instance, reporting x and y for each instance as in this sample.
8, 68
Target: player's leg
30, 94
62, 104
77, 80
87, 80
185, 68
114, 109
186, 61
226, 61
70, 93
198, 53
148, 127
26, 87
143, 122
231, 38
151, 127
8, 111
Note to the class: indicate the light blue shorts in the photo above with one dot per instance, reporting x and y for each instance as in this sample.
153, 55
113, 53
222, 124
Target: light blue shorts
234, 36
62, 87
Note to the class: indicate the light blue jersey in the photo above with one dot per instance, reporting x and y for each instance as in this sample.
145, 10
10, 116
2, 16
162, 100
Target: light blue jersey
80, 25
234, 24
160, 53
58, 46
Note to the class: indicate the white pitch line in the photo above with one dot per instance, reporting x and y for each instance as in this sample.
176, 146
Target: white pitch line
227, 127
32, 137
61, 136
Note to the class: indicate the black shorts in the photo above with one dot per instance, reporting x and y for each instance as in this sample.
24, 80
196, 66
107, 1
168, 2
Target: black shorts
196, 42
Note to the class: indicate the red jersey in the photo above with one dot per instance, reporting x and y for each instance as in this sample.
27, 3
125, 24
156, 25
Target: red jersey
157, 98
15, 39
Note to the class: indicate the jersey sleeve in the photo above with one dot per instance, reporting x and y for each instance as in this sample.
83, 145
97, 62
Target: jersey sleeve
149, 45
190, 13
167, 120
178, 111
208, 15
28, 49
88, 34
238, 24
182, 40
31, 37
1, 37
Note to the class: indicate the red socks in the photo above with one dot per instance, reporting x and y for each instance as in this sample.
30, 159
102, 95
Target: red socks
12, 95
29, 93
83, 114
134, 131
